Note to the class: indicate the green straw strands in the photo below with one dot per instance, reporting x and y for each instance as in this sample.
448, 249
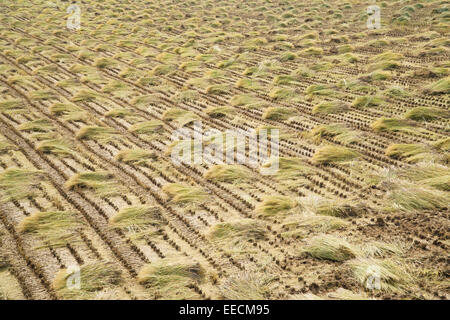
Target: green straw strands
6, 147
282, 94
300, 227
332, 154
119, 113
230, 173
367, 101
103, 63
68, 111
290, 168
95, 279
246, 286
55, 146
54, 228
86, 95
102, 183
392, 124
439, 87
390, 275
145, 100
118, 89
180, 116
39, 125
411, 153
336, 132
277, 113
386, 56
219, 112
172, 277
247, 101
341, 209
319, 90
138, 218
16, 184
185, 194
135, 156
11, 105
217, 89
332, 248
96, 133
408, 197
163, 69
44, 94
273, 205
426, 114
237, 232
186, 96
147, 127
327, 107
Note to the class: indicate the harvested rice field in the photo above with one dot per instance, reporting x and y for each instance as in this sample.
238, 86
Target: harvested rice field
352, 203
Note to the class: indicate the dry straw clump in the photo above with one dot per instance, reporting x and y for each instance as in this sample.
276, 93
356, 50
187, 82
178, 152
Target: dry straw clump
135, 156
246, 286
441, 86
179, 116
102, 183
291, 171
137, 216
423, 186
185, 194
11, 105
336, 131
238, 231
247, 101
56, 146
300, 226
367, 101
16, 184
39, 125
273, 205
426, 113
230, 173
94, 278
392, 124
147, 127
410, 197
171, 278
391, 275
54, 228
219, 112
331, 154
332, 248
342, 209
277, 113
6, 146
96, 133
411, 153
327, 107
68, 111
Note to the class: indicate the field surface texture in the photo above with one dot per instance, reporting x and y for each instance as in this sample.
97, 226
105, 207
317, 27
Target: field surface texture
93, 204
